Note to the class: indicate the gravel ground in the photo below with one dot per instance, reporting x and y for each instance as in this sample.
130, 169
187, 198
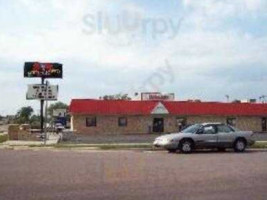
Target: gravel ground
148, 138
127, 175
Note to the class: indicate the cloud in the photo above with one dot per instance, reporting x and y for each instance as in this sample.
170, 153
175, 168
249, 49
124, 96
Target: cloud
207, 46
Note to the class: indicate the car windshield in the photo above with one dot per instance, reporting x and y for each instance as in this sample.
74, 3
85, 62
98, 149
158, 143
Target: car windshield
192, 129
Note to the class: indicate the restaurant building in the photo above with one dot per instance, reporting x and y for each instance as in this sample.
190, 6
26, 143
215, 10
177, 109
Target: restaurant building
91, 116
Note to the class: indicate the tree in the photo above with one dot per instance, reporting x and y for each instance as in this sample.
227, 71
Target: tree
24, 115
116, 97
58, 105
35, 121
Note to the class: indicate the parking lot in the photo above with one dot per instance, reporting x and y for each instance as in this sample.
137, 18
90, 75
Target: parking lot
64, 174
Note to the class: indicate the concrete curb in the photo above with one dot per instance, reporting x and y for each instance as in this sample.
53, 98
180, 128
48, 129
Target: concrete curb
53, 140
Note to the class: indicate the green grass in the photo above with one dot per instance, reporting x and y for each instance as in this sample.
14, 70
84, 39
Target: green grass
3, 138
260, 145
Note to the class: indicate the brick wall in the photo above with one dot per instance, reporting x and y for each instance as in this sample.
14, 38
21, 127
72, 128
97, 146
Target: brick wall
242, 123
249, 123
109, 124
144, 124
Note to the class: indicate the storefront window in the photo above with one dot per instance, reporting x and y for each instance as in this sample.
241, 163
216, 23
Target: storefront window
181, 123
264, 124
122, 121
231, 121
91, 121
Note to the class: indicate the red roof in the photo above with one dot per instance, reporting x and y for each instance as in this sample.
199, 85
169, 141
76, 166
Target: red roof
123, 107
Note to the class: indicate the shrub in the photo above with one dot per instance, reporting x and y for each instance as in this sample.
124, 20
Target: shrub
3, 138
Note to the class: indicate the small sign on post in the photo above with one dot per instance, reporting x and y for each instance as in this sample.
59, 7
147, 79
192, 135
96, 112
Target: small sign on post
42, 92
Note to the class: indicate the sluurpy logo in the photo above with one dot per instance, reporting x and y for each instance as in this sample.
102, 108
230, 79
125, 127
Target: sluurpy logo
127, 27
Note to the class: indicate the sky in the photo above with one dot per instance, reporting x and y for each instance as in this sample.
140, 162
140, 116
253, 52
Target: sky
196, 49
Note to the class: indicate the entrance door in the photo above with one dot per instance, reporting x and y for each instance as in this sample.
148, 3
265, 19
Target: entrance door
264, 124
158, 125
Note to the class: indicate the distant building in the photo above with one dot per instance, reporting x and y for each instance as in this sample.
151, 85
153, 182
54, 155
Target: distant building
7, 120
89, 116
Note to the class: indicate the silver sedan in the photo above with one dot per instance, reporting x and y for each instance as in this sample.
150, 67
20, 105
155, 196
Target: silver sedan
206, 136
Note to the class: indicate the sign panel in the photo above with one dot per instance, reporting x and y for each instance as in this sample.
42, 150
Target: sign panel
157, 96
43, 70
59, 112
42, 92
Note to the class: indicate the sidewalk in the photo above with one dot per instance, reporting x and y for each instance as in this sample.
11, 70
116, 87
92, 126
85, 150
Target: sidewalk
52, 140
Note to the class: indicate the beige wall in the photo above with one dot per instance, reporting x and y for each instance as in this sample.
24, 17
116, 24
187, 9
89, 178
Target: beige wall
242, 123
109, 125
249, 123
141, 124
203, 119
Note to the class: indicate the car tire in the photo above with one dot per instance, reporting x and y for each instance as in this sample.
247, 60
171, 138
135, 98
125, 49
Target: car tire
186, 146
240, 145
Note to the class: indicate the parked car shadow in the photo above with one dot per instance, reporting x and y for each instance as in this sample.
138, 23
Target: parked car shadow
215, 151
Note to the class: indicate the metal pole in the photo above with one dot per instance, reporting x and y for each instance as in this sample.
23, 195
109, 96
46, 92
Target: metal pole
42, 111
46, 106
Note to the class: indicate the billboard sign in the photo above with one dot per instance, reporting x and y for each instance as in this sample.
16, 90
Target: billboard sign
42, 92
157, 96
43, 70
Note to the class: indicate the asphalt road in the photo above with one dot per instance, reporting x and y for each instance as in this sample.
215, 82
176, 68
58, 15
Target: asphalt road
125, 175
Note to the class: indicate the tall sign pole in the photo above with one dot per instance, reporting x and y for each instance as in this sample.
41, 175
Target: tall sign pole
42, 109
46, 106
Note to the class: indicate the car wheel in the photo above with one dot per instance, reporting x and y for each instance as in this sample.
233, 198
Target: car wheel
240, 145
172, 150
186, 146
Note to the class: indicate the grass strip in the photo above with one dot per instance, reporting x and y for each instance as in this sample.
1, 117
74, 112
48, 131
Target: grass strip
3, 138
260, 145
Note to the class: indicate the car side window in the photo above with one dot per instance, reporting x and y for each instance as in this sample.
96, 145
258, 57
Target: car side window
224, 129
209, 130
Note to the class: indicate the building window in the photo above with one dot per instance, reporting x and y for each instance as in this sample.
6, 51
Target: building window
231, 121
264, 124
181, 123
91, 121
122, 121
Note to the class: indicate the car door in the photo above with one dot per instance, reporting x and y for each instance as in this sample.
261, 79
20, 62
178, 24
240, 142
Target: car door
206, 137
226, 136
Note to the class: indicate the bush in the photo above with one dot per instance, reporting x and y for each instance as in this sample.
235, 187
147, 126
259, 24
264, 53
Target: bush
3, 138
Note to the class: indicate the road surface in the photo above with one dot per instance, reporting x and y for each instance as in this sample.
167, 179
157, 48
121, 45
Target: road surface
126, 175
